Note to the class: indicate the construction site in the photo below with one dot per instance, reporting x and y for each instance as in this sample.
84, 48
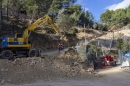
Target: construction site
38, 53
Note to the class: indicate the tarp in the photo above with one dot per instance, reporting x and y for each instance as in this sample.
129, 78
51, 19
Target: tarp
127, 55
124, 58
125, 64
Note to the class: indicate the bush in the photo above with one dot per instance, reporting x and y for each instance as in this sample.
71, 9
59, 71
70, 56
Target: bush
128, 25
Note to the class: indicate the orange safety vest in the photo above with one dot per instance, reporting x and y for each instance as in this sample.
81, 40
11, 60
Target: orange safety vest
59, 46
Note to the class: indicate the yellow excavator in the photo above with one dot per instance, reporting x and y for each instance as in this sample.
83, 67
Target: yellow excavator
114, 27
20, 45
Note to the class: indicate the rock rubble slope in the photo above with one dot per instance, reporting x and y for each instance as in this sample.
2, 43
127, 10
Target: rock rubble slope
46, 68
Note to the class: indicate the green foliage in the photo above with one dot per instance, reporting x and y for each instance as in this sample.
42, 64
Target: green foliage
13, 5
119, 17
128, 11
76, 13
33, 8
55, 6
120, 44
128, 25
68, 13
98, 26
106, 17
58, 5
95, 25
68, 17
64, 12
86, 18
127, 48
72, 31
95, 48
103, 27
64, 23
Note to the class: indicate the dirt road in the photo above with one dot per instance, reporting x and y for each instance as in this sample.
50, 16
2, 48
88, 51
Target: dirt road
108, 77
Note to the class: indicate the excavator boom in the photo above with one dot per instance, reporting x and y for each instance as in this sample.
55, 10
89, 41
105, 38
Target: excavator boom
40, 21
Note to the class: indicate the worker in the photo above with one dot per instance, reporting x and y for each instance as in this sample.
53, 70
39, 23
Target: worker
59, 48
62, 47
106, 61
94, 59
112, 62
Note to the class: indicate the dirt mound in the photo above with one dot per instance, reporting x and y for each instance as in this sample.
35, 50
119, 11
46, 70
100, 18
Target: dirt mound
30, 70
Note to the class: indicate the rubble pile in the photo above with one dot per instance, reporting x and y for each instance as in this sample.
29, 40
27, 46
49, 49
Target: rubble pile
45, 68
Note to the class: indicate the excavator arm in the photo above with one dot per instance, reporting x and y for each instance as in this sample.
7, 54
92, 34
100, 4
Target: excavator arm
33, 26
21, 40
114, 27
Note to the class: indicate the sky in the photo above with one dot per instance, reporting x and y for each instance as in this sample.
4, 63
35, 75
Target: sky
97, 7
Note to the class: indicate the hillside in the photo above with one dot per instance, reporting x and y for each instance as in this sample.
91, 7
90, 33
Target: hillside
54, 67
64, 43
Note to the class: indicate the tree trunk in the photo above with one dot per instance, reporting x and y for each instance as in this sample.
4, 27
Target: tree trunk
25, 17
33, 14
7, 10
1, 14
1, 10
18, 14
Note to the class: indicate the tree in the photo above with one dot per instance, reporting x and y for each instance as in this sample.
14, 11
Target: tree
34, 8
62, 4
119, 17
120, 44
43, 7
5, 3
31, 7
64, 23
106, 17
87, 18
12, 6
68, 16
55, 6
128, 12
76, 14
95, 49
95, 25
82, 19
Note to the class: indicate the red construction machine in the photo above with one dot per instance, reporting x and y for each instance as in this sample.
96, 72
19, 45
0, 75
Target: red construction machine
106, 61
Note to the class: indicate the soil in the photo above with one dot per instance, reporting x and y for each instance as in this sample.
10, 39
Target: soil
106, 77
46, 68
